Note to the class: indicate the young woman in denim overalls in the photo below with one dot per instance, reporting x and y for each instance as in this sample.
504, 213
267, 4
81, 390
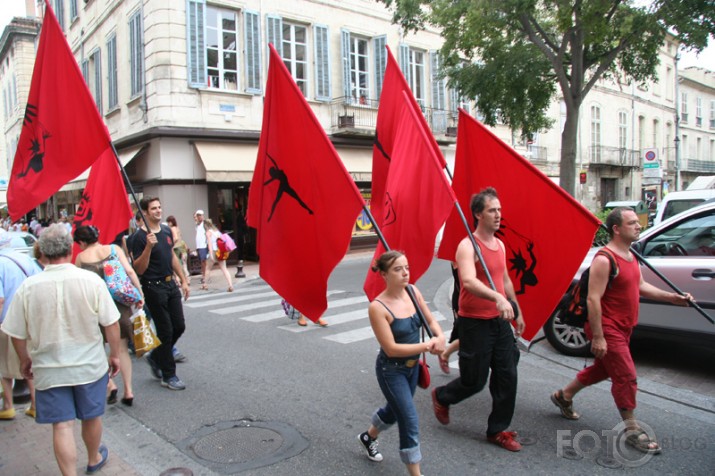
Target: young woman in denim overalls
396, 325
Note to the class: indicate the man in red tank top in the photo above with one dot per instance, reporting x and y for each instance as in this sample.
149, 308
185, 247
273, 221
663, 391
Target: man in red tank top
612, 315
486, 338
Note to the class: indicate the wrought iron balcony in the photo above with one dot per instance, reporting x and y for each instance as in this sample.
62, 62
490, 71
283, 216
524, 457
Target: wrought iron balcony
614, 156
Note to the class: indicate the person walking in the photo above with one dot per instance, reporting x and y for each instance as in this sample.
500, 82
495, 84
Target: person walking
486, 338
202, 247
215, 256
96, 257
15, 267
156, 264
180, 248
54, 323
612, 315
396, 325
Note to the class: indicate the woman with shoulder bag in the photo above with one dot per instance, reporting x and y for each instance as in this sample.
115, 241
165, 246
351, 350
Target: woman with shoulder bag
103, 259
216, 255
396, 325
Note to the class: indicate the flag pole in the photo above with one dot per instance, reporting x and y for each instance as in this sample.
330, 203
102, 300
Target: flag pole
672, 285
410, 291
129, 183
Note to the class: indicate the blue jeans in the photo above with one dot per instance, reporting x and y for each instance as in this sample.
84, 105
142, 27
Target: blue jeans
398, 384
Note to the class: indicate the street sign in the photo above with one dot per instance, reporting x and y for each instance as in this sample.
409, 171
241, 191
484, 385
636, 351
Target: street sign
650, 159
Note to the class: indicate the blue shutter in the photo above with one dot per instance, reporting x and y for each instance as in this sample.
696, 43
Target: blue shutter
438, 93
136, 54
60, 13
112, 93
379, 44
97, 59
73, 9
196, 43
345, 55
252, 40
404, 59
322, 63
85, 71
274, 32
453, 100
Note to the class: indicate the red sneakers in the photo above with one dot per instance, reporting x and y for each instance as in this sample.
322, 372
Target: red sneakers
506, 440
440, 411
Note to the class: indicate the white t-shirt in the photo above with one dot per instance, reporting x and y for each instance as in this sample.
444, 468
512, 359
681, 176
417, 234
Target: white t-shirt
59, 312
201, 236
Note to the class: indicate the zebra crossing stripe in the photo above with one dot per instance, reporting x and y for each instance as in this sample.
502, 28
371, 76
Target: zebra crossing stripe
260, 305
239, 290
352, 336
228, 300
333, 320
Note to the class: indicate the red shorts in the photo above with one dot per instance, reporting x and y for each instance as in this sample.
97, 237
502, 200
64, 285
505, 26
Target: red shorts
617, 365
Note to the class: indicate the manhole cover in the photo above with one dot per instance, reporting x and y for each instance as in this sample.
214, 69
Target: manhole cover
230, 447
238, 445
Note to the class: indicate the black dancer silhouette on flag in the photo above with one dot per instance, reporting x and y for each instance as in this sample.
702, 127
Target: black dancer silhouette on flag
523, 268
84, 211
37, 149
277, 173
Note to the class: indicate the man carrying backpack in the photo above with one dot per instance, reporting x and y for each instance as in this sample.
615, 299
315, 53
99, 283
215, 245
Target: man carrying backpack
612, 315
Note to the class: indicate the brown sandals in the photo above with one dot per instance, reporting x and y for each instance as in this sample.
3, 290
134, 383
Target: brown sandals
564, 405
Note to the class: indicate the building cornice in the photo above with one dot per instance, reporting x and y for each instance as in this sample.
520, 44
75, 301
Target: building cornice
19, 26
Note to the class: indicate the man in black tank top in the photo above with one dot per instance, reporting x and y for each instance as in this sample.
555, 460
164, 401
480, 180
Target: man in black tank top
156, 263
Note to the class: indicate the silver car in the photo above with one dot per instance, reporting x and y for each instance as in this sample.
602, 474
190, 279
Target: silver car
682, 248
22, 241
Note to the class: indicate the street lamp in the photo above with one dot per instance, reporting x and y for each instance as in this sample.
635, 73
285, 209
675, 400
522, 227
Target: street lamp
677, 162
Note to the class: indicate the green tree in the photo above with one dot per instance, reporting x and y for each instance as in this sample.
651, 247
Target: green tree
514, 55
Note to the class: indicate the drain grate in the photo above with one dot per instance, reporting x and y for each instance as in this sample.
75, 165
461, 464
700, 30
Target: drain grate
230, 447
238, 445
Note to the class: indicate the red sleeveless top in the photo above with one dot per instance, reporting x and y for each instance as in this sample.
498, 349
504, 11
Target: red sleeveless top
480, 308
619, 304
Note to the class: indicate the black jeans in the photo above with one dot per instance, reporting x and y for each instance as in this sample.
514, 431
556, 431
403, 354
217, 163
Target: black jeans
164, 302
486, 344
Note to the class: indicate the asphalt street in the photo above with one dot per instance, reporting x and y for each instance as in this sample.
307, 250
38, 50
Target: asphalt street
267, 397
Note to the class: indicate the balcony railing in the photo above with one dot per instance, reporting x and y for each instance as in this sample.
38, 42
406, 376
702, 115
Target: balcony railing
360, 116
614, 156
694, 165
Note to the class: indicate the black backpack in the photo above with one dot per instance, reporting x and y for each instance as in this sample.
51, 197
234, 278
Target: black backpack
573, 310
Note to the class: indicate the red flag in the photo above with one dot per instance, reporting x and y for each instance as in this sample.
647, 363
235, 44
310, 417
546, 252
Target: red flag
62, 132
104, 201
388, 114
302, 201
418, 199
546, 232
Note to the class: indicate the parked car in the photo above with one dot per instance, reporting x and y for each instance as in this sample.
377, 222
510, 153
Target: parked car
677, 202
22, 241
682, 248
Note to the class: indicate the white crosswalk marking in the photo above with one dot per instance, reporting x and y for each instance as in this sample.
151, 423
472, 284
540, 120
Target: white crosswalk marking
260, 304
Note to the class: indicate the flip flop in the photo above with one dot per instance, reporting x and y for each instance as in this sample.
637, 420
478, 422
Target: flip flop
104, 452
639, 440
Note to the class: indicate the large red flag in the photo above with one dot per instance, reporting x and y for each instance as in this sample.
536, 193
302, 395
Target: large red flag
104, 201
542, 258
418, 199
62, 132
302, 200
388, 114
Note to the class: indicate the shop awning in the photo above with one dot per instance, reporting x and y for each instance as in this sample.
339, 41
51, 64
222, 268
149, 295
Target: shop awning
227, 162
125, 156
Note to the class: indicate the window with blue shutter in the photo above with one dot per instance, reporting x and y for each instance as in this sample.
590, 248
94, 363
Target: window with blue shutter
439, 94
252, 39
136, 54
274, 32
379, 44
404, 60
73, 9
196, 43
345, 57
322, 63
112, 92
96, 60
60, 13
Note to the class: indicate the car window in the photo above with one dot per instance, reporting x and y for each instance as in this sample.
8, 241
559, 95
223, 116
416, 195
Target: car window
692, 237
674, 207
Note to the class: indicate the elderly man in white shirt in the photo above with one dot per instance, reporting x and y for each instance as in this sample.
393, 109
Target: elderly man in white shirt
54, 323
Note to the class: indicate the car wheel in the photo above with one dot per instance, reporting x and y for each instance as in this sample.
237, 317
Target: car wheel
566, 339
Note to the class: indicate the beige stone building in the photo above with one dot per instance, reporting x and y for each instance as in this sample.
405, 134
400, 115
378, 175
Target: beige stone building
180, 84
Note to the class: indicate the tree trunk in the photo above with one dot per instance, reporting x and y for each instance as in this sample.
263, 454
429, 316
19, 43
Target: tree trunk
569, 143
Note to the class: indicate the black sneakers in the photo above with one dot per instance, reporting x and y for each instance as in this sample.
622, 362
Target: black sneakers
370, 447
155, 371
